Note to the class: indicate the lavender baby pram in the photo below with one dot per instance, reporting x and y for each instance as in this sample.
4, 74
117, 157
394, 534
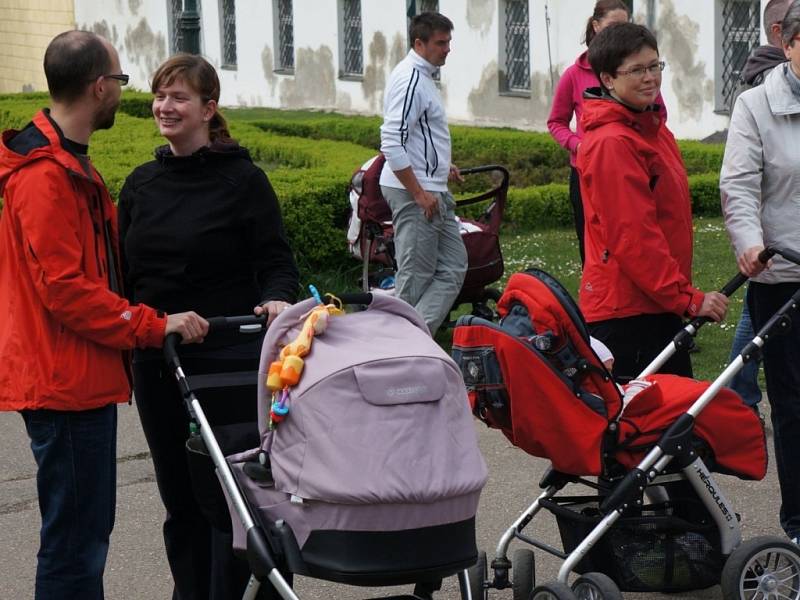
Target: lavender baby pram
375, 475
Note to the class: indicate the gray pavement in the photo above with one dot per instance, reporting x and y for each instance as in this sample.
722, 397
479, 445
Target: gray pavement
137, 568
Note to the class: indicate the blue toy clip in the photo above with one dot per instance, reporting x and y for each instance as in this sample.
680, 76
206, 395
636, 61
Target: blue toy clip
315, 293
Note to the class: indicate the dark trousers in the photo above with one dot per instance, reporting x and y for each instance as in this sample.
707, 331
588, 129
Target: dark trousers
200, 556
782, 374
75, 452
636, 341
577, 209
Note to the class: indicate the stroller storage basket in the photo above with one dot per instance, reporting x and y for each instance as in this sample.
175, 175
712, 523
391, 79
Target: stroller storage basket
646, 550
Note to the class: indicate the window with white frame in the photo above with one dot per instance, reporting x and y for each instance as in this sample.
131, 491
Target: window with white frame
227, 11
351, 46
284, 35
515, 46
740, 30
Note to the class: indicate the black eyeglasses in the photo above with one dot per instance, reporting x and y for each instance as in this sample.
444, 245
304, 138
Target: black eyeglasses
122, 78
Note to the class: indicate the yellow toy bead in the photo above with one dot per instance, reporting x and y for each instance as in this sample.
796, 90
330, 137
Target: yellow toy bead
274, 376
291, 371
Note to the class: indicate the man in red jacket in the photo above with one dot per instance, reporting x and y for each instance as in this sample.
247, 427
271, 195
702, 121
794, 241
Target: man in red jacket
64, 327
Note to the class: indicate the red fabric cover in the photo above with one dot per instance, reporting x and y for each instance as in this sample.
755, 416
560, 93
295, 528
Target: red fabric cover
547, 420
372, 207
726, 424
638, 216
548, 315
485, 261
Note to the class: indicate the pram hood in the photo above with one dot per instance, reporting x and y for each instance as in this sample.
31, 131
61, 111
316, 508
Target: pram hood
548, 414
380, 415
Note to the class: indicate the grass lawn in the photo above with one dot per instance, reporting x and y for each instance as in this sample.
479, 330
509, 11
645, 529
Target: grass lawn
556, 251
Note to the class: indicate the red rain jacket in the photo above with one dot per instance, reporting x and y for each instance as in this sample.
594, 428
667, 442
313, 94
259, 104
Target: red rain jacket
638, 216
62, 329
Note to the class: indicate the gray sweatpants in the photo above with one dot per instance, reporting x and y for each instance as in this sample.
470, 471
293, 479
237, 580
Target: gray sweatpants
431, 258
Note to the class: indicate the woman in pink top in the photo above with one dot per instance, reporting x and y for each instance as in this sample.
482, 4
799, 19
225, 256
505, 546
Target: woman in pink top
568, 99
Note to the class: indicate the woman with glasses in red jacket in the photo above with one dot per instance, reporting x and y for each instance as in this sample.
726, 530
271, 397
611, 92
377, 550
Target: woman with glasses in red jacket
636, 286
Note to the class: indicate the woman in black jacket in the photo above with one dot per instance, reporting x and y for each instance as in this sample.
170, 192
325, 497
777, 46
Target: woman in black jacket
200, 228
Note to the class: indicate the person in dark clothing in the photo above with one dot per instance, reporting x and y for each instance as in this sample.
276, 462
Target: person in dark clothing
760, 62
200, 227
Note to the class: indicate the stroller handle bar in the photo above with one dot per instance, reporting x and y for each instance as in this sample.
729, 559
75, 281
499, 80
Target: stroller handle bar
498, 192
684, 337
245, 323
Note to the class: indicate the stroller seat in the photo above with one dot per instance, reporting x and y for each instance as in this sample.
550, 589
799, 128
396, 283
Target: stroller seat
535, 377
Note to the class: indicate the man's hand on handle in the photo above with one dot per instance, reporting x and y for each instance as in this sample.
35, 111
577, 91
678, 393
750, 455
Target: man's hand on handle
749, 264
191, 326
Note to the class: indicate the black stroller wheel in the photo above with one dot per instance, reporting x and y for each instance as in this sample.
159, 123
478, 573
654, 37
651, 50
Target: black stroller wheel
554, 590
596, 586
477, 578
523, 574
763, 567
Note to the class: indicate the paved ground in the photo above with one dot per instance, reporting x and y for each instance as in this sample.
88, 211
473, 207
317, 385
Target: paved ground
137, 568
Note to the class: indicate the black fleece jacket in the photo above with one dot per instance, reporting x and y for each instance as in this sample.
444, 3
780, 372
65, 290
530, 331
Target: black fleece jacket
204, 233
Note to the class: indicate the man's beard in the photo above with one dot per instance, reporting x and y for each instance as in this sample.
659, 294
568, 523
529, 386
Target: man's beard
104, 119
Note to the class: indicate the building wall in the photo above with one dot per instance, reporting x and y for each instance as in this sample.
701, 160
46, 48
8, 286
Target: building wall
687, 31
26, 27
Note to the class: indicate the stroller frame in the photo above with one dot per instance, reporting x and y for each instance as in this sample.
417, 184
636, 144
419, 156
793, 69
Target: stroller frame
258, 552
674, 445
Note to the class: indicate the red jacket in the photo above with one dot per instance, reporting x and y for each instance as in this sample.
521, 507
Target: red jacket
638, 216
62, 329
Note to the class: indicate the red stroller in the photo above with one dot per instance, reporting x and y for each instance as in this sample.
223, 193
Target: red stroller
371, 235
657, 520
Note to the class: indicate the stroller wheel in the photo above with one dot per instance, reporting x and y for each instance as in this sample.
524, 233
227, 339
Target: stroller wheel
555, 590
477, 578
522, 574
596, 586
764, 567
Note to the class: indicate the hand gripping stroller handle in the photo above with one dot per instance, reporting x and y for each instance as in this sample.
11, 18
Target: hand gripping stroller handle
215, 325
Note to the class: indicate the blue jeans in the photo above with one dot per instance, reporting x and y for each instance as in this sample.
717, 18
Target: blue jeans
745, 382
76, 481
782, 372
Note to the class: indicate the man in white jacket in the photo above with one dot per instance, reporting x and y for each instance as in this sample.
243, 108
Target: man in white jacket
431, 258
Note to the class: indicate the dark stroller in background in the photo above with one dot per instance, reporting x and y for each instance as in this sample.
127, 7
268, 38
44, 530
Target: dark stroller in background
372, 479
657, 519
371, 234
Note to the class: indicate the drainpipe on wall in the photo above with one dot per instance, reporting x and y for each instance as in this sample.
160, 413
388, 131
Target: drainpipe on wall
190, 27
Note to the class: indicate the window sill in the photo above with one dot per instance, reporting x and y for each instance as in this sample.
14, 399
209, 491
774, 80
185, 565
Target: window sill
351, 77
229, 67
284, 71
515, 94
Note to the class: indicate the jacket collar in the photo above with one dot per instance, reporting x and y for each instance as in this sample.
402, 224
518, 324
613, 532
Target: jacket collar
420, 63
779, 95
600, 108
54, 150
583, 61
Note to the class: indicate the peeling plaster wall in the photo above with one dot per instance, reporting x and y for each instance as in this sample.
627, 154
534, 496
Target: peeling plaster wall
136, 28
470, 82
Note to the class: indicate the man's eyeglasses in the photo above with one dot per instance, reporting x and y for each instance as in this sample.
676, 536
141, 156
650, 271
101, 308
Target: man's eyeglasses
122, 78
639, 72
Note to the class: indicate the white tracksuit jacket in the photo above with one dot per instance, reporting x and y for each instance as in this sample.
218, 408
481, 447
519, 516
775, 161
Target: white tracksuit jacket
414, 131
